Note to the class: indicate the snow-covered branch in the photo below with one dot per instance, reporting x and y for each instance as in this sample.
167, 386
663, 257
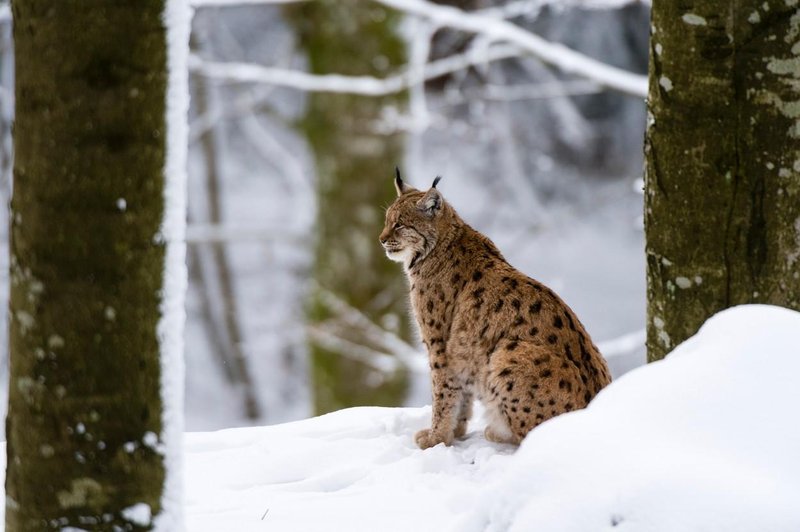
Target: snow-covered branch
231, 3
512, 9
490, 26
331, 341
405, 353
362, 85
528, 91
554, 54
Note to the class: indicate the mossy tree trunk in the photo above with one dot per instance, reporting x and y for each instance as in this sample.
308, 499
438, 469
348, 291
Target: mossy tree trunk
355, 160
722, 186
84, 426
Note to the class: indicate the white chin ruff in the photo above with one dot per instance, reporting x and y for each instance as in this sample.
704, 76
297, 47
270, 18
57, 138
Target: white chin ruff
404, 255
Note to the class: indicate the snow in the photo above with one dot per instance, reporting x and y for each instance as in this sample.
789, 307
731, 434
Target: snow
138, 514
177, 21
704, 440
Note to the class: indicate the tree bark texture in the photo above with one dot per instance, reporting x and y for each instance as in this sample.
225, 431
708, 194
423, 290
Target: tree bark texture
722, 177
355, 161
87, 263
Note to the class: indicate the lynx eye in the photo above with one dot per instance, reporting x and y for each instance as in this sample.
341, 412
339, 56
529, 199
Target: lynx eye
397, 225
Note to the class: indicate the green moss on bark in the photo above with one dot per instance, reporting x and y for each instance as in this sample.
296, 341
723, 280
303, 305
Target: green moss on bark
722, 202
86, 263
354, 161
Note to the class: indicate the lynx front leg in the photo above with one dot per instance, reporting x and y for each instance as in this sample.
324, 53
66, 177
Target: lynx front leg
447, 399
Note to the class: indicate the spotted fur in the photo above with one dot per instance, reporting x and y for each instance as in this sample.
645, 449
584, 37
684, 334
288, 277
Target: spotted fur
490, 331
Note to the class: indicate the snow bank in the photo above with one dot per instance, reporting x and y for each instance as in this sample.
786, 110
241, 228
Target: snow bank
705, 440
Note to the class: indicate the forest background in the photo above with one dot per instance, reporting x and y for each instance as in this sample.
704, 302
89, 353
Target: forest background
292, 308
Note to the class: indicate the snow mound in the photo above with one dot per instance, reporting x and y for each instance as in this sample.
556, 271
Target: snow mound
706, 440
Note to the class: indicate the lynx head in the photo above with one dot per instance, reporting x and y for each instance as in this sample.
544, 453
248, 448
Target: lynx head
414, 222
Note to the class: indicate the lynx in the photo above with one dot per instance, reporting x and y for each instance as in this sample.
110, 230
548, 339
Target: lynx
490, 331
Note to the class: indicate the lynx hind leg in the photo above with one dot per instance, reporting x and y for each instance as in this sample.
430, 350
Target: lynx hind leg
464, 413
498, 429
527, 385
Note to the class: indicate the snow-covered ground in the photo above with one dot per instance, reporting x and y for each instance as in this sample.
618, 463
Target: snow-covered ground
704, 440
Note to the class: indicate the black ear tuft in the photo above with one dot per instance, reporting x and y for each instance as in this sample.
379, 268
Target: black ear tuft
398, 182
436, 181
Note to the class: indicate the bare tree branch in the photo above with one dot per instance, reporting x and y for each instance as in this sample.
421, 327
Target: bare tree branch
236, 355
412, 358
232, 3
489, 26
362, 85
554, 54
336, 344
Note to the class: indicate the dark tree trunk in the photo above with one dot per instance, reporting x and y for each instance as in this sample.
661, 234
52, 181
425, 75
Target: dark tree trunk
722, 202
354, 162
84, 425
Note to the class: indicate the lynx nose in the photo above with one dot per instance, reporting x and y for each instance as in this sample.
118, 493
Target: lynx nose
384, 237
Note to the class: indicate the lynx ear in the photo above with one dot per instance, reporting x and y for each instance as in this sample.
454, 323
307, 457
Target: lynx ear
431, 203
401, 187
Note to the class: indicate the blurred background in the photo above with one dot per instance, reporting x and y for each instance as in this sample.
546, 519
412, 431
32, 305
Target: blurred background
292, 308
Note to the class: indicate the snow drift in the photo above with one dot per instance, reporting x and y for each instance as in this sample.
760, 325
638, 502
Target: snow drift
704, 440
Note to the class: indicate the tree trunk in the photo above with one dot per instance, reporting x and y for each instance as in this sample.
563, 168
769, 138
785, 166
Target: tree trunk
89, 247
722, 201
235, 358
354, 162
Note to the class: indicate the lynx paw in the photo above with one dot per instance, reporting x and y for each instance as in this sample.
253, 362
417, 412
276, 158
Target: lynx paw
501, 436
428, 438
